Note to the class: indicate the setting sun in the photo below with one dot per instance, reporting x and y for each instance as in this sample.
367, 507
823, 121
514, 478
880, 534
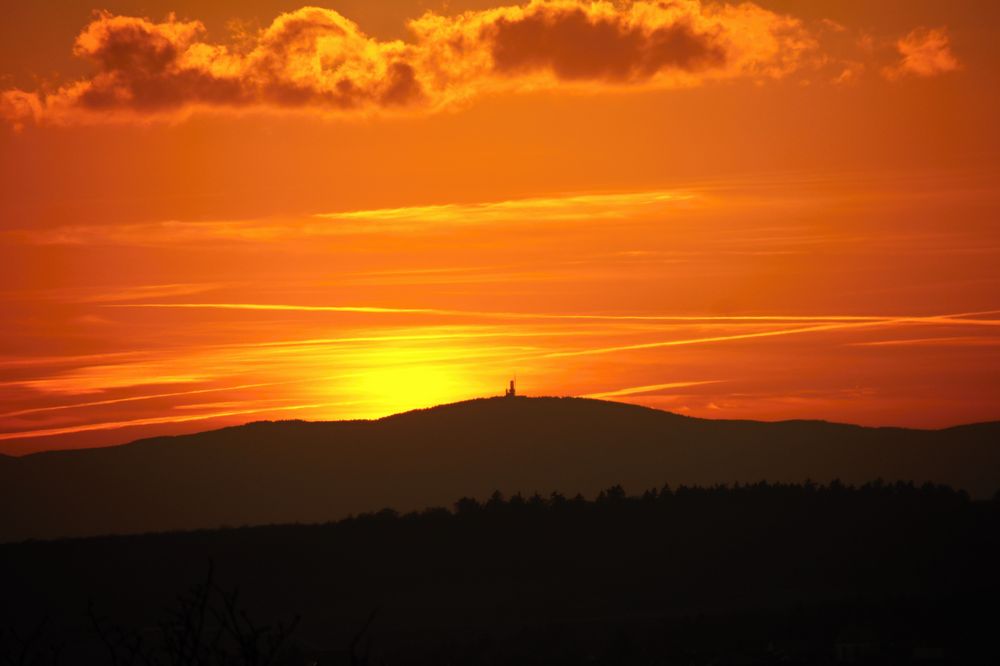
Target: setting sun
404, 386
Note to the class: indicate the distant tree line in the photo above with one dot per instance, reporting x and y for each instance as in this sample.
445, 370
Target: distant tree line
523, 569
616, 498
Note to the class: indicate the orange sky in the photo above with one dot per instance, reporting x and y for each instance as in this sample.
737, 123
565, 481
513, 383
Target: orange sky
212, 213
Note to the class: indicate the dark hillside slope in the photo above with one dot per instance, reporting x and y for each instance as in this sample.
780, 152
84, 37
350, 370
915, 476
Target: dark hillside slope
293, 471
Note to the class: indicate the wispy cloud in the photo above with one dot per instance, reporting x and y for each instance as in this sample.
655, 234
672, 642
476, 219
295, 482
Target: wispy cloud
68, 359
98, 378
158, 420
923, 52
171, 232
135, 398
569, 207
131, 293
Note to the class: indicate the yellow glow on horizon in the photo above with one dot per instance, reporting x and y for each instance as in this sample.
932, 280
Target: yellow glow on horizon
391, 389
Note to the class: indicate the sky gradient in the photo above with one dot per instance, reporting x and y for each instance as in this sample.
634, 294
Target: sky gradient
212, 213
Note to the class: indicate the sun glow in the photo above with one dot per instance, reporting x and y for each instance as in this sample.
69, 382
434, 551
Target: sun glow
397, 388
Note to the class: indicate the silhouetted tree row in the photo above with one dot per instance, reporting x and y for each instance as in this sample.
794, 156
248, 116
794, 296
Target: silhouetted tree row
687, 575
879, 490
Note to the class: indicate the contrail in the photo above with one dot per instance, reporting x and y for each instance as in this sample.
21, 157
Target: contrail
939, 319
950, 319
651, 387
282, 307
954, 340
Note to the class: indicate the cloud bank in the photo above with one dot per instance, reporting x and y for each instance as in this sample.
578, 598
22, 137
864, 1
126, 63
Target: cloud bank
317, 60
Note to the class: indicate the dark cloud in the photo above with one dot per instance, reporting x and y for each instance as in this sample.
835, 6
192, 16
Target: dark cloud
576, 46
318, 60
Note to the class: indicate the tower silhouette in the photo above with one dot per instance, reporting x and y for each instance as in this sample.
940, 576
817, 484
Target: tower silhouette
510, 392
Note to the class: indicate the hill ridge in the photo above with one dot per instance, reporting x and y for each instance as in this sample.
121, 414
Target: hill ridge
314, 471
459, 403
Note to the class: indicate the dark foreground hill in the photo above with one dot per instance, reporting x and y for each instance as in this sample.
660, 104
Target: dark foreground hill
293, 471
762, 574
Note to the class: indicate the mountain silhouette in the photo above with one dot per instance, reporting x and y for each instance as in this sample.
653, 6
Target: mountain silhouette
296, 471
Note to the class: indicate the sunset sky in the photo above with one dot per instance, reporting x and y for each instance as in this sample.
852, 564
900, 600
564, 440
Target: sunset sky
221, 212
